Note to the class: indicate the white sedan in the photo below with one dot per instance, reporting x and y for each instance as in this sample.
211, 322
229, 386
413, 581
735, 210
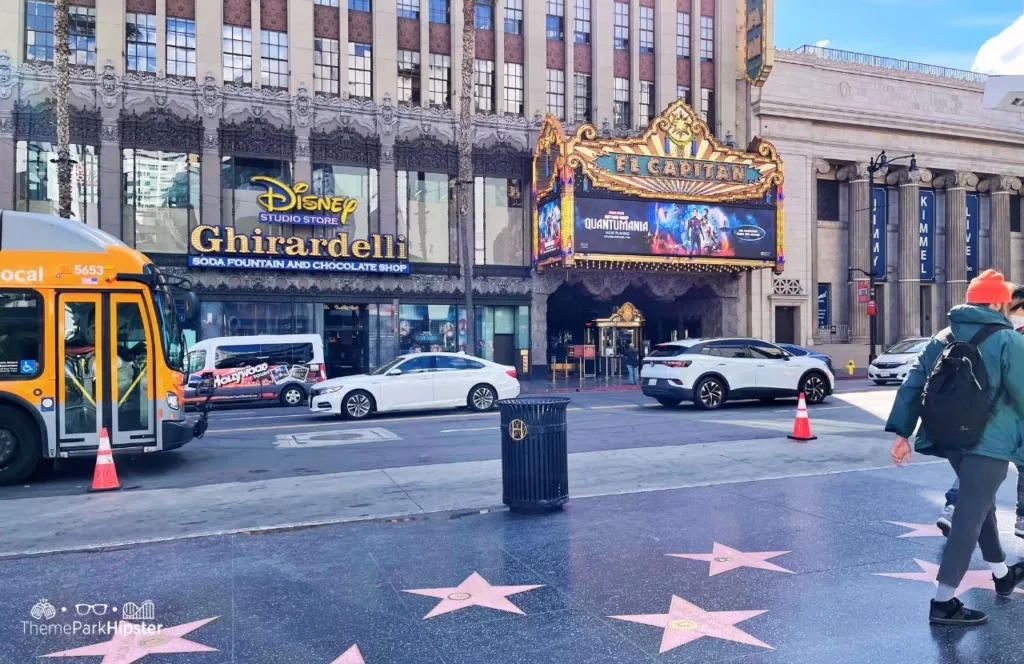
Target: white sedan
420, 381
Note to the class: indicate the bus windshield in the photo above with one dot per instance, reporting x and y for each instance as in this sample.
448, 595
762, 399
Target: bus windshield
172, 336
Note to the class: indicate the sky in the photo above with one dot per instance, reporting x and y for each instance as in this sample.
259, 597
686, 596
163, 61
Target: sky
980, 35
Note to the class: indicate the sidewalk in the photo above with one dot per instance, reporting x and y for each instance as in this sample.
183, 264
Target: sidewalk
790, 571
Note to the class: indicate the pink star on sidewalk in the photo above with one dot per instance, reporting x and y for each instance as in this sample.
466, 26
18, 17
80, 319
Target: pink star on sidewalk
350, 656
724, 558
975, 578
474, 591
686, 622
130, 643
918, 529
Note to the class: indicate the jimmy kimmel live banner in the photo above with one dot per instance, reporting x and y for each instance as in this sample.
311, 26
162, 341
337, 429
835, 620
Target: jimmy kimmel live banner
645, 228
973, 223
879, 219
926, 234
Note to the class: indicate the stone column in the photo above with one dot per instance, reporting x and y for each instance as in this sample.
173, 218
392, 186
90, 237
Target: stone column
910, 251
7, 156
1000, 188
110, 178
860, 245
210, 186
303, 167
956, 184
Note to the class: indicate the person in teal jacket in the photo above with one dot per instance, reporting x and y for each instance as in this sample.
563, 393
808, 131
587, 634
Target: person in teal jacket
982, 469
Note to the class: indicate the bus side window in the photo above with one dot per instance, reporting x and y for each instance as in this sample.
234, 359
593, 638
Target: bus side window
21, 325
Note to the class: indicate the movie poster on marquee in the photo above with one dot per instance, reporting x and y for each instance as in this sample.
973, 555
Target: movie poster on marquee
645, 228
549, 229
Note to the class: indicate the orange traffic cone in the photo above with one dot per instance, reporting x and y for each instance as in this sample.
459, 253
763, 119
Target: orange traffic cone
802, 423
104, 478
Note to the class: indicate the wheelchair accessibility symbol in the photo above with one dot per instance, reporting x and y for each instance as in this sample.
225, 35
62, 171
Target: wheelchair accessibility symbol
517, 430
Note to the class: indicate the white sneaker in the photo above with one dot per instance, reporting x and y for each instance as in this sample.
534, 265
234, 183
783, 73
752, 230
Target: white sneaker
1018, 530
945, 521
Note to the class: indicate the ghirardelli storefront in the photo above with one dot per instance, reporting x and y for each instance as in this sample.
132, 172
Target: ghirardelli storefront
666, 222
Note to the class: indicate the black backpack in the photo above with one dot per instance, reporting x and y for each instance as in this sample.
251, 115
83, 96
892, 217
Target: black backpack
955, 404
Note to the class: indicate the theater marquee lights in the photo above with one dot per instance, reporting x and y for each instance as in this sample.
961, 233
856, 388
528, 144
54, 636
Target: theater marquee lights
673, 198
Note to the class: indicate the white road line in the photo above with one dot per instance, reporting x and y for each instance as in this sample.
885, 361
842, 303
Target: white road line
621, 405
814, 409
462, 430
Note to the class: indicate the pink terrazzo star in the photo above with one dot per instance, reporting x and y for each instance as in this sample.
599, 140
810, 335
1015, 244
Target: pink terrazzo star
474, 591
975, 578
130, 644
724, 558
350, 656
918, 529
686, 622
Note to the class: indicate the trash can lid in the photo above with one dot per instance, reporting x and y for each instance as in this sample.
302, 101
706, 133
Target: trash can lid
535, 401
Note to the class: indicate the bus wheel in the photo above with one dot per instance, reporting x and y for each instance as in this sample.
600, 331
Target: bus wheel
20, 446
292, 395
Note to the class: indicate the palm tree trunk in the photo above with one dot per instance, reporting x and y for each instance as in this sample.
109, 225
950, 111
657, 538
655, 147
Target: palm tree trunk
464, 186
61, 91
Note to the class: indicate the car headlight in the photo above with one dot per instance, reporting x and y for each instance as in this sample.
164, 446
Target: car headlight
332, 390
909, 360
172, 401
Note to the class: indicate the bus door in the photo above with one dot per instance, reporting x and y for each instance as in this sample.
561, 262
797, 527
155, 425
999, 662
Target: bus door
132, 388
80, 359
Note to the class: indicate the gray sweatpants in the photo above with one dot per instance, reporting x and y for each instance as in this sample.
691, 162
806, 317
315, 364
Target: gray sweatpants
974, 520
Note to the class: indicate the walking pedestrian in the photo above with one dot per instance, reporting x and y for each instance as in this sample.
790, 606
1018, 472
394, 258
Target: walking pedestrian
1016, 315
974, 364
630, 359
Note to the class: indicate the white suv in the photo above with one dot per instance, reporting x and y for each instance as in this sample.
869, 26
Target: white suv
711, 371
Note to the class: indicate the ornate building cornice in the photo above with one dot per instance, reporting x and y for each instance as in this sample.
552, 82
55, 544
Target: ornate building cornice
956, 180
1000, 184
161, 129
344, 146
255, 137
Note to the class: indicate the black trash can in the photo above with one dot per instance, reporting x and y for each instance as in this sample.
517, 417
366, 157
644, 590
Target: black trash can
534, 454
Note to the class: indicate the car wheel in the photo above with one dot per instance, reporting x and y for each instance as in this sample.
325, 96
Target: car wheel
357, 405
293, 395
669, 403
20, 447
710, 394
814, 388
880, 382
482, 398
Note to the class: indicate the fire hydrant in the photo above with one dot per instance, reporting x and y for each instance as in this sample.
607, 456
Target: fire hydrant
850, 366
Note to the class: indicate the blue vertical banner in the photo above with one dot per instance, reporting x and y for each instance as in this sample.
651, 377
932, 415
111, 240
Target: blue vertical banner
973, 230
879, 219
926, 234
824, 305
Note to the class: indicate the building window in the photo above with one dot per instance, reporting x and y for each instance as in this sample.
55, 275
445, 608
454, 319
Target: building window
439, 11
581, 21
326, 66
237, 55
682, 35
647, 30
239, 197
683, 92
483, 14
409, 9
484, 91
556, 93
36, 180
828, 200
161, 199
707, 111
647, 101
39, 33
440, 81
621, 25
582, 97
408, 78
181, 47
358, 182
274, 59
1015, 213
513, 88
140, 42
82, 36
514, 17
621, 110
499, 222
326, 3
707, 38
360, 71
424, 213
359, 5
556, 20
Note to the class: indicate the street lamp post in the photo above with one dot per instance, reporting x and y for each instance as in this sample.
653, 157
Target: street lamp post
879, 164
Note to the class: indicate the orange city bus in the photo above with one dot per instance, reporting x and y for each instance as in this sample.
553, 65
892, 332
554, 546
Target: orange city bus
89, 340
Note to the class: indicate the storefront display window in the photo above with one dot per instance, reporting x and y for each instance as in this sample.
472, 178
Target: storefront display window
36, 180
161, 199
431, 327
240, 207
424, 214
502, 332
500, 222
234, 319
353, 182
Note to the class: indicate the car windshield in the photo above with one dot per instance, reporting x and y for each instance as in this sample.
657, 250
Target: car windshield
794, 350
380, 371
172, 337
908, 346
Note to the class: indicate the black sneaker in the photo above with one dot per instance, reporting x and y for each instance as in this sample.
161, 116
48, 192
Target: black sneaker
1006, 585
954, 612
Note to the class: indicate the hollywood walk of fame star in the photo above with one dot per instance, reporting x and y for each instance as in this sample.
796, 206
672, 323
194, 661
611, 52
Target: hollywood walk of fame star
474, 591
918, 529
131, 643
350, 656
724, 558
687, 622
975, 578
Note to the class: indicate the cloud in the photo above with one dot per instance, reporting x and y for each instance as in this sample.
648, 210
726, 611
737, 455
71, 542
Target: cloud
1004, 53
823, 43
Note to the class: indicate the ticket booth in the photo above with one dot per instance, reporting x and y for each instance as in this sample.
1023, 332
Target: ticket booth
625, 326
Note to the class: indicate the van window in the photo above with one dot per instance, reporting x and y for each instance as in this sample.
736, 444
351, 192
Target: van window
21, 324
196, 361
667, 351
287, 353
233, 357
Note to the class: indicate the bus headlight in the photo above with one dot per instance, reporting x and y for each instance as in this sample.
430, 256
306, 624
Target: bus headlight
172, 401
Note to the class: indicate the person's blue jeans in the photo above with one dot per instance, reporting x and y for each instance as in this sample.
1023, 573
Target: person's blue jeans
632, 374
954, 492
